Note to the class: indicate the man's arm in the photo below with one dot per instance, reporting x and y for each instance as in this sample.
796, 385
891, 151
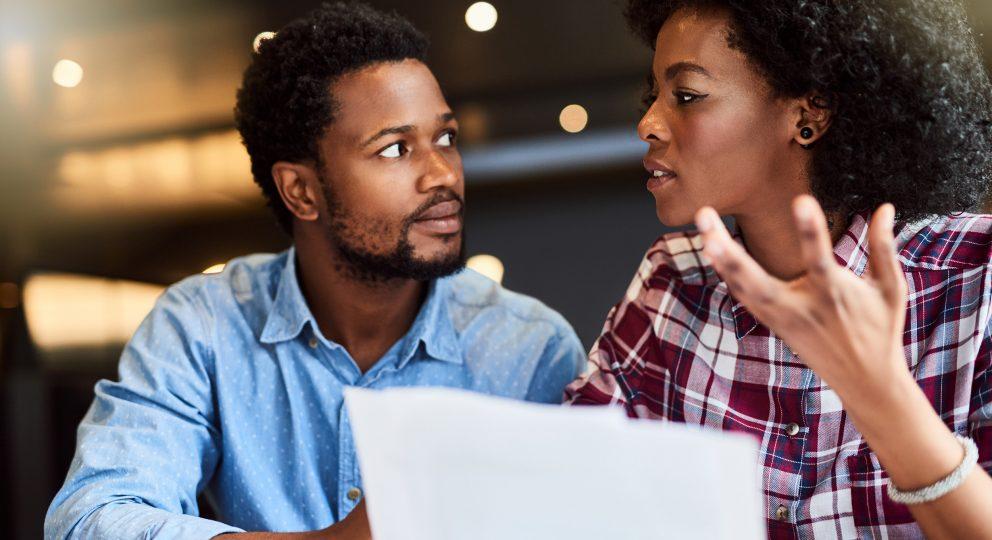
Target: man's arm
560, 363
148, 443
353, 527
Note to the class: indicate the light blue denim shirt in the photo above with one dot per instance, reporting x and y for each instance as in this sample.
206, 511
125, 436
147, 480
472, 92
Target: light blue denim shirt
228, 386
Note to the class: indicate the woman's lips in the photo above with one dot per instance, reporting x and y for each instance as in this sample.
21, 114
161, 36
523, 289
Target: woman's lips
661, 174
656, 182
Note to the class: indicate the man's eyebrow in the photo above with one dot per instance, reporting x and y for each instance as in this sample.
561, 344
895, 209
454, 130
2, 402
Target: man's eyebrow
387, 131
679, 67
394, 130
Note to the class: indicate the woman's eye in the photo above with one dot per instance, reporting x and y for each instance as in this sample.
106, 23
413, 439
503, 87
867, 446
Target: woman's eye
684, 98
394, 150
446, 139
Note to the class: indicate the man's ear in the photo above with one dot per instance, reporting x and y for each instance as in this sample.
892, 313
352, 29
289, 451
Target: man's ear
299, 188
813, 115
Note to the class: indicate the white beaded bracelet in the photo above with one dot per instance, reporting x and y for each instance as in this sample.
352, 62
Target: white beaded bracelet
943, 486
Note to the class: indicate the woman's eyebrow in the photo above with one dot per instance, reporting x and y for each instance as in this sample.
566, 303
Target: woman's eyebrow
679, 67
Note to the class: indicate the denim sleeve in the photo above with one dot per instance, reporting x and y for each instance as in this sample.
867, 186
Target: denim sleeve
561, 362
148, 443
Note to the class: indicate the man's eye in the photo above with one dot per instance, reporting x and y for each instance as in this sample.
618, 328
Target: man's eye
394, 150
446, 139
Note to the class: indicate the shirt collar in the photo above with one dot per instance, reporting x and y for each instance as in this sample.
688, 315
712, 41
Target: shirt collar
850, 251
289, 312
432, 327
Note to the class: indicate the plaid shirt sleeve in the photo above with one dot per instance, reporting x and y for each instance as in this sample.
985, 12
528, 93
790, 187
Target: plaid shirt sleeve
679, 347
980, 419
627, 340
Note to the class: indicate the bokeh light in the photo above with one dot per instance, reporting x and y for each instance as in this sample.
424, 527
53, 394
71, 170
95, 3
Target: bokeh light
67, 73
487, 265
481, 16
573, 118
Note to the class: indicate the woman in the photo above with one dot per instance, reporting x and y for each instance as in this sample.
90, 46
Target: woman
858, 355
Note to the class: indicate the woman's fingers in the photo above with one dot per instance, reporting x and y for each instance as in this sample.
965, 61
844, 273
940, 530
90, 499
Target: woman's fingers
884, 265
814, 239
747, 280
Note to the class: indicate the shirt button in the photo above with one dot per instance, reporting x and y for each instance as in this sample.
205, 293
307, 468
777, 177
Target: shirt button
781, 513
313, 343
354, 494
792, 429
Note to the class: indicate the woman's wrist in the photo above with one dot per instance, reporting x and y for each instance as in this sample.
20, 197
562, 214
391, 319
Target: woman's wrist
900, 425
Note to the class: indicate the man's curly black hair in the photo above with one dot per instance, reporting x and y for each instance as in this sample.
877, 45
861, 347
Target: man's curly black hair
286, 102
904, 80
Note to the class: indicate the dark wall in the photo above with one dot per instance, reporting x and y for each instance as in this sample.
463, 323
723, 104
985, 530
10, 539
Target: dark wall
572, 242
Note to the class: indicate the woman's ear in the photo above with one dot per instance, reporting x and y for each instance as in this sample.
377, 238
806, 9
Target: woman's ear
813, 116
298, 186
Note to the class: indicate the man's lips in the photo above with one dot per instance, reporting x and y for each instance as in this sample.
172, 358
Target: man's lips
442, 218
441, 210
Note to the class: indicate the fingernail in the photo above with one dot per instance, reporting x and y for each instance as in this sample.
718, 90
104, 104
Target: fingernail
704, 223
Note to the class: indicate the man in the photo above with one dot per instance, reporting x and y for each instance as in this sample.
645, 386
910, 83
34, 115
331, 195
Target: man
233, 384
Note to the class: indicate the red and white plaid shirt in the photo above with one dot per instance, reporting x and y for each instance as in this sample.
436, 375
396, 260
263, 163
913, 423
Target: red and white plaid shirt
678, 347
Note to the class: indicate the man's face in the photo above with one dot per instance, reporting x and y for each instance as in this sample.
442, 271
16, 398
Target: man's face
393, 185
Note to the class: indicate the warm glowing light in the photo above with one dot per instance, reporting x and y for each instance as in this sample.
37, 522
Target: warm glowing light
215, 269
487, 265
573, 118
10, 295
156, 175
260, 38
67, 311
67, 73
481, 16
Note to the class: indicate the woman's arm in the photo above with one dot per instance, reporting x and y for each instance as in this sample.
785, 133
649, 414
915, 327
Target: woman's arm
849, 331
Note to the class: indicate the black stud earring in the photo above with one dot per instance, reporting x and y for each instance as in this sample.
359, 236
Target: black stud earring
806, 132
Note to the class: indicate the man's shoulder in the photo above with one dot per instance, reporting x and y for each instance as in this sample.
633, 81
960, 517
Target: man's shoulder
959, 241
472, 295
244, 280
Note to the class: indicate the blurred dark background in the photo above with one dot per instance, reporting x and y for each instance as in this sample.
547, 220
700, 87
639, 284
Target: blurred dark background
114, 185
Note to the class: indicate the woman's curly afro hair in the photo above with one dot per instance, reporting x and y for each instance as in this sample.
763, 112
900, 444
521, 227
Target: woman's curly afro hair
904, 81
286, 102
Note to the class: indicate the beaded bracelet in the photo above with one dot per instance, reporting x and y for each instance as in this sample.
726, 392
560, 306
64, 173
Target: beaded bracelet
943, 486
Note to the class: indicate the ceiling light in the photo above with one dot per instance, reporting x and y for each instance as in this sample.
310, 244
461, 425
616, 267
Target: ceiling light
481, 16
67, 73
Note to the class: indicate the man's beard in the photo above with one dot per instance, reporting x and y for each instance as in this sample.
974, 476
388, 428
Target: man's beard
397, 263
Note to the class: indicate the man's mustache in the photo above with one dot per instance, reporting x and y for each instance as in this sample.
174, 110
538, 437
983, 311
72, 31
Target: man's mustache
438, 198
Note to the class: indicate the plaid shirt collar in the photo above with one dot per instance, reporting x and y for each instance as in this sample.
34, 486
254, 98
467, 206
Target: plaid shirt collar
851, 252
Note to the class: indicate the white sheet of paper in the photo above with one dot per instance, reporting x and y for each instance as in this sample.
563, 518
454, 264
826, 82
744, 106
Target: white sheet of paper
443, 464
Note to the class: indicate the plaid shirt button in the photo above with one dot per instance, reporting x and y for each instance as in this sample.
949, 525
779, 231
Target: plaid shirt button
678, 347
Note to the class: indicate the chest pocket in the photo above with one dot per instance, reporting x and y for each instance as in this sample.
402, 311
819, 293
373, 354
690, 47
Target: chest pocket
870, 503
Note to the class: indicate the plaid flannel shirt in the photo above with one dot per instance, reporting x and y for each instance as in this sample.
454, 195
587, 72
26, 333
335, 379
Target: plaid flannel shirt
679, 347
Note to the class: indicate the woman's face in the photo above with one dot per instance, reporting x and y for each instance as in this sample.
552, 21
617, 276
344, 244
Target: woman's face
717, 134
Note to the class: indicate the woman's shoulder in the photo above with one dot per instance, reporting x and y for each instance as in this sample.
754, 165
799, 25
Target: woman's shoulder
676, 256
958, 241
